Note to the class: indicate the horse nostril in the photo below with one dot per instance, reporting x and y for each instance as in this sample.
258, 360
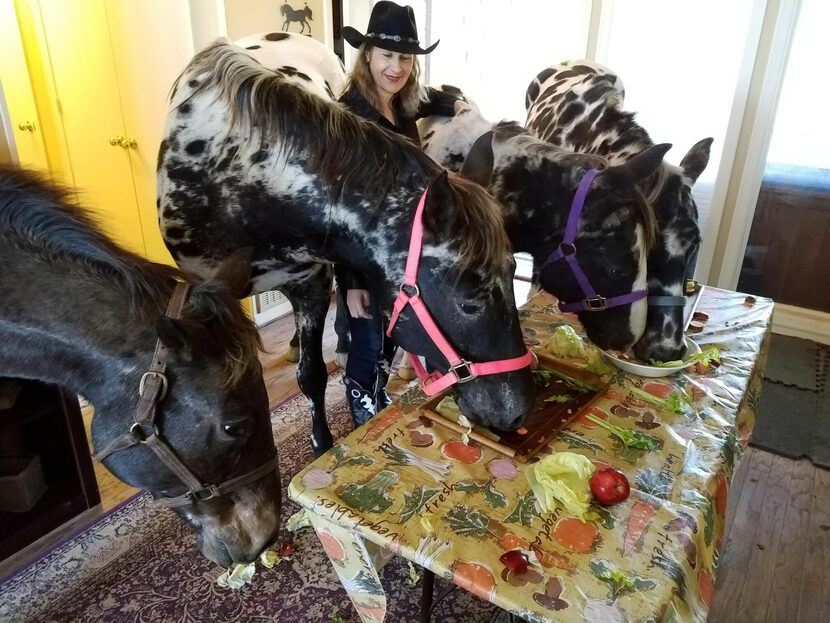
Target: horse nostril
515, 423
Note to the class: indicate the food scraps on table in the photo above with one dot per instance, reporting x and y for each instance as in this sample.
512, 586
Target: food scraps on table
562, 478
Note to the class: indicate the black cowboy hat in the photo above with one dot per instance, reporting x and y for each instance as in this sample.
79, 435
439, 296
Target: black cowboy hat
391, 27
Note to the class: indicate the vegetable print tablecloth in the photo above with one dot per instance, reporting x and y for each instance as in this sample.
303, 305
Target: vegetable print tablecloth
401, 485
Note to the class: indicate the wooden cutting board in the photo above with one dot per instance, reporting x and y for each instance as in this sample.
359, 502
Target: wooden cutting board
557, 404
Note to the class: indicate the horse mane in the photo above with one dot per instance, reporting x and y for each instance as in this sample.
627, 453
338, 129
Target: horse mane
40, 216
340, 146
643, 206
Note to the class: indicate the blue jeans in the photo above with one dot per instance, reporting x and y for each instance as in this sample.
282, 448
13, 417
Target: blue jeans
370, 351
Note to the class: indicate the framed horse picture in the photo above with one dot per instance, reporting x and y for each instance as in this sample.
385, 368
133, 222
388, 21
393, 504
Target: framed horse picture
312, 18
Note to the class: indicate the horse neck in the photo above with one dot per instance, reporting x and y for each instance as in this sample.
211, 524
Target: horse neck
528, 218
93, 347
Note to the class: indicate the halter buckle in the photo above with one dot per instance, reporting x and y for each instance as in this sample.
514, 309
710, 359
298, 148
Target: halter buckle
463, 371
138, 434
207, 493
157, 375
596, 304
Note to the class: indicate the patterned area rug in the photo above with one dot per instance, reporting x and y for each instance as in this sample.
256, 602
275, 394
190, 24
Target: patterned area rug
140, 563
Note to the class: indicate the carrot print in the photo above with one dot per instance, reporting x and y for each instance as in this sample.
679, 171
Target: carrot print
392, 415
642, 514
575, 535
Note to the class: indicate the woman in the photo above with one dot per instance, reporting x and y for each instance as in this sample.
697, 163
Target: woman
383, 87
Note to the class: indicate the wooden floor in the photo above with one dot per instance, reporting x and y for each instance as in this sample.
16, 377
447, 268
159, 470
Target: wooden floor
776, 564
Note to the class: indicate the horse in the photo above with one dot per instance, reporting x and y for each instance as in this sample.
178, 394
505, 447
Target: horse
180, 403
300, 16
536, 182
578, 105
317, 68
251, 158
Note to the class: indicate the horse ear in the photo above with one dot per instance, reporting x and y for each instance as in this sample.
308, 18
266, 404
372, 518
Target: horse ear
695, 161
643, 164
439, 210
235, 272
478, 166
173, 334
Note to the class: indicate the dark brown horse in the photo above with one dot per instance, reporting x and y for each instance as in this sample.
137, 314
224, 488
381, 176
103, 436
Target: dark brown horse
180, 404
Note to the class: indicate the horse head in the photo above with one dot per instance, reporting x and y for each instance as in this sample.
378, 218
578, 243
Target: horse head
536, 184
464, 278
672, 260
213, 417
579, 105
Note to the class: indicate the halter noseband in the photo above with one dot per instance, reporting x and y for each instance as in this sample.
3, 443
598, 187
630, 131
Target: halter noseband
151, 390
460, 370
567, 251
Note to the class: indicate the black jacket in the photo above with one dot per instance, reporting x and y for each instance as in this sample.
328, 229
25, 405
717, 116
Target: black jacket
438, 103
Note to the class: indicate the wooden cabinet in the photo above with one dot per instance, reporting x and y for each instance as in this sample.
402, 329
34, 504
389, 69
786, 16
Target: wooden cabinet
109, 66
46, 422
788, 252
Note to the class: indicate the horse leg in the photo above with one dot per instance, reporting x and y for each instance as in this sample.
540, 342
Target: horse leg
341, 328
311, 300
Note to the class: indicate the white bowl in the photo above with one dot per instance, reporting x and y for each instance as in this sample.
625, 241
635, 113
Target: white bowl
642, 369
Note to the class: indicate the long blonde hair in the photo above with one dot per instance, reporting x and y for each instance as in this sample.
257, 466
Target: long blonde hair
409, 98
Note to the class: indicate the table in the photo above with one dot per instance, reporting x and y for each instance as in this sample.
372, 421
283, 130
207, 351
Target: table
398, 486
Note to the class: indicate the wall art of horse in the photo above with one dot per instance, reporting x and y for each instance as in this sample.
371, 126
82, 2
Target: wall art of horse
578, 105
536, 183
251, 159
301, 16
180, 403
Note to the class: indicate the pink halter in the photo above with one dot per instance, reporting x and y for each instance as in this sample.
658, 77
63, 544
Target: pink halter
460, 370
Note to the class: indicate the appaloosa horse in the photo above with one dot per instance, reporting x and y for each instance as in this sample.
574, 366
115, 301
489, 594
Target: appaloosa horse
602, 277
251, 159
180, 404
578, 105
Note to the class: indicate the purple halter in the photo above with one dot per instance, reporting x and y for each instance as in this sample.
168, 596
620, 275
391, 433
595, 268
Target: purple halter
567, 251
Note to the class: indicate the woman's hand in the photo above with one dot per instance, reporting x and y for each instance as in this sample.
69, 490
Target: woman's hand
358, 303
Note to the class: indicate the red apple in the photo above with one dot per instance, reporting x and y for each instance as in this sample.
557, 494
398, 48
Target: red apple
609, 486
514, 560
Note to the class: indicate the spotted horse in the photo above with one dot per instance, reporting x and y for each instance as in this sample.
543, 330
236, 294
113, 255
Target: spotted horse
588, 231
578, 105
252, 158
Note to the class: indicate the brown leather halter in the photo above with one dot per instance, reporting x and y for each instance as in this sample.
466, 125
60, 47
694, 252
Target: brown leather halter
151, 390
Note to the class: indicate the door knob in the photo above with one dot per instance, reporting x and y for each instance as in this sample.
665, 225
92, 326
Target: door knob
115, 141
129, 143
28, 125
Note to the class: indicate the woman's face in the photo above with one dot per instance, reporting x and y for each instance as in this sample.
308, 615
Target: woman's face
390, 70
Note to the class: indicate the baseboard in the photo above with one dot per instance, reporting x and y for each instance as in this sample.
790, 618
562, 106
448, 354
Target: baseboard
800, 322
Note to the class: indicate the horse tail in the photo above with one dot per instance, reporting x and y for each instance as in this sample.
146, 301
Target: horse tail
308, 12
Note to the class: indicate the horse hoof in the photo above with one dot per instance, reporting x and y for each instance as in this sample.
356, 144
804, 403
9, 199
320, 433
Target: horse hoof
292, 355
341, 359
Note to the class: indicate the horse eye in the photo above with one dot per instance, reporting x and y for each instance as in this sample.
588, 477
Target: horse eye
469, 308
234, 430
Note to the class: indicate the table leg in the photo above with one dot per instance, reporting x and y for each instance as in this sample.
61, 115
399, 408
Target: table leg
355, 566
426, 596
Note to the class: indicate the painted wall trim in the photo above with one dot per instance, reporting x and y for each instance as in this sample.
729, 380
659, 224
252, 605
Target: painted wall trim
800, 322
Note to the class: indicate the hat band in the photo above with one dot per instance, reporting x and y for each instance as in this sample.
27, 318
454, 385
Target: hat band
396, 38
